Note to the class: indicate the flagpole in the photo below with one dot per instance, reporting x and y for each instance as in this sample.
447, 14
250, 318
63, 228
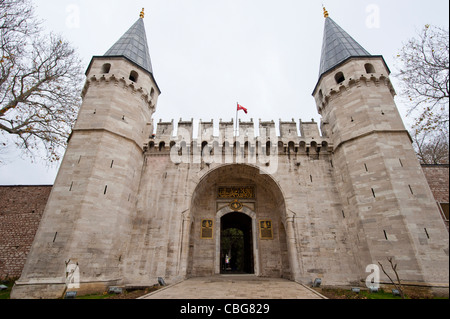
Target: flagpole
237, 111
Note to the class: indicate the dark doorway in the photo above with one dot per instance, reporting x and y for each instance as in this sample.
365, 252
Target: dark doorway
236, 244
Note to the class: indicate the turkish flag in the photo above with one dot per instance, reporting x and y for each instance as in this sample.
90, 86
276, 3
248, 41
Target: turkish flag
240, 107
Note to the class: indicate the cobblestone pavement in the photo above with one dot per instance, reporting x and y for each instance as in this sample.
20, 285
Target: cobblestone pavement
235, 287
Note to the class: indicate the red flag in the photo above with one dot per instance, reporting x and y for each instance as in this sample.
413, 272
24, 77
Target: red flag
240, 107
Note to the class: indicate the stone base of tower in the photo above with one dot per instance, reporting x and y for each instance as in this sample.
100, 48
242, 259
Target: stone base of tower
46, 290
38, 290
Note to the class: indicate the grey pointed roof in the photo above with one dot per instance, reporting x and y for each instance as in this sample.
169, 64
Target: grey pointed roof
337, 47
133, 45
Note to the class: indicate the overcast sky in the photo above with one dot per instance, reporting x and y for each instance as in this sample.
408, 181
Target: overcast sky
209, 54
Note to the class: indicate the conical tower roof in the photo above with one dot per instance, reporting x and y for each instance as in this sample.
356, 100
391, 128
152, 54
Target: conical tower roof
133, 45
337, 47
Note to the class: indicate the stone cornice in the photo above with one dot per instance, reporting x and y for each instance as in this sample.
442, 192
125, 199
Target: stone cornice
367, 80
119, 82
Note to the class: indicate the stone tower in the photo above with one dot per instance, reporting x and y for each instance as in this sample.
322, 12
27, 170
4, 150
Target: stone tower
85, 221
389, 208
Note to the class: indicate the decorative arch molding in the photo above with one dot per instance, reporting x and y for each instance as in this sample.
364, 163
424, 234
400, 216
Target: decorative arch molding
203, 183
252, 172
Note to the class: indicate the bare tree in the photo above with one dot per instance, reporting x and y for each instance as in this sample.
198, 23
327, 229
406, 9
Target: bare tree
40, 84
431, 147
424, 75
397, 285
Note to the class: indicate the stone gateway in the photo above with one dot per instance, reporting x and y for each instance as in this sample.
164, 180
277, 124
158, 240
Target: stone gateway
128, 206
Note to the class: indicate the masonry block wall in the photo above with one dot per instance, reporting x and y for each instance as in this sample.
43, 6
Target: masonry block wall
438, 179
21, 209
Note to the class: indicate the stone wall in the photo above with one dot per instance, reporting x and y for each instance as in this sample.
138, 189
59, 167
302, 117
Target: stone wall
21, 209
438, 179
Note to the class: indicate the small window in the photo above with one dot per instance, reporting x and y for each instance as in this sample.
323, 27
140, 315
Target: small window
339, 77
204, 144
106, 68
281, 147
134, 76
369, 68
152, 93
291, 147
268, 148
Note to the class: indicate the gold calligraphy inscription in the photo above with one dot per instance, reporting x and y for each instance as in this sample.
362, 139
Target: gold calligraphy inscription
207, 229
265, 229
236, 192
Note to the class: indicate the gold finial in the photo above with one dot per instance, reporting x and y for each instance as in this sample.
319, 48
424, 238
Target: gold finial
325, 13
142, 14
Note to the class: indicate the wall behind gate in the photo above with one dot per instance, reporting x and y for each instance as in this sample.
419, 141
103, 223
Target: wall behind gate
21, 209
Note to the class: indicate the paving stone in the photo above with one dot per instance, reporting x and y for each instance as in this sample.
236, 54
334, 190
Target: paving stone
235, 287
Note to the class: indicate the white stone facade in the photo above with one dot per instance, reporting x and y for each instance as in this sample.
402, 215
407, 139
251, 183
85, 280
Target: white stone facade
128, 208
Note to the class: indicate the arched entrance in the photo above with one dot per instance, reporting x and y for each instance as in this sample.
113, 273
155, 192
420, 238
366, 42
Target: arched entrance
231, 207
244, 222
236, 244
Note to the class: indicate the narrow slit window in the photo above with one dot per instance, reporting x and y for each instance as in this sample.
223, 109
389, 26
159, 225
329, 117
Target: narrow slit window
106, 189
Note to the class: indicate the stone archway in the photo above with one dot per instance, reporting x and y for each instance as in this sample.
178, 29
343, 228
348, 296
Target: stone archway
272, 255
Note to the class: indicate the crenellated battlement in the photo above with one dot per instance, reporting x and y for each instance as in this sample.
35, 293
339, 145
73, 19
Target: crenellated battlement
364, 79
287, 139
122, 82
357, 72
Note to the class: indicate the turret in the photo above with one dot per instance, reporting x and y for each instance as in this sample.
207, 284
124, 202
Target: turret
383, 197
85, 225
